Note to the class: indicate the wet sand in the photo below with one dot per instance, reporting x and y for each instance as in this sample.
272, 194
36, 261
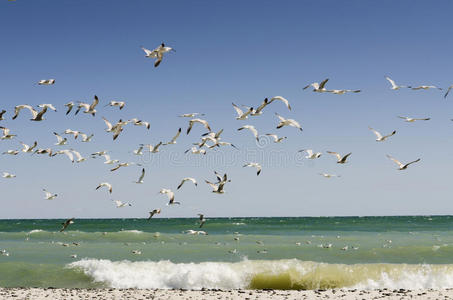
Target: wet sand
52, 293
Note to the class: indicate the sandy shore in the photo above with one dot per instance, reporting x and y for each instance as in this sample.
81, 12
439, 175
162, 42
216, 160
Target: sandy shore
51, 293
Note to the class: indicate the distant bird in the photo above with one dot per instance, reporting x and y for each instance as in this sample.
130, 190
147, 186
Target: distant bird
187, 179
79, 157
38, 116
46, 82
109, 161
120, 104
219, 185
6, 135
287, 122
318, 87
341, 92
1, 114
340, 159
11, 152
43, 151
201, 121
173, 140
380, 137
194, 150
60, 140
252, 129
48, 105
75, 133
138, 122
425, 87
121, 165
311, 154
154, 212
120, 204
394, 85
66, 152
401, 165
142, 175
280, 98
69, 106
448, 91
107, 185
326, 175
18, 108
28, 149
138, 151
254, 165
66, 224
153, 149
86, 138
48, 195
191, 115
157, 53
202, 220
241, 114
170, 195
259, 110
8, 175
89, 108
276, 138
99, 153
408, 119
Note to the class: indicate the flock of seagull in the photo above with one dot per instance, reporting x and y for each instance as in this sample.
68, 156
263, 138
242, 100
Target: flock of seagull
208, 140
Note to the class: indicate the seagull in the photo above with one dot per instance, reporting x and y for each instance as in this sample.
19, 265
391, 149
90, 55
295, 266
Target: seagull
280, 98
340, 159
201, 121
18, 108
191, 115
448, 91
86, 138
119, 204
108, 124
38, 116
138, 151
109, 161
28, 149
425, 87
78, 156
170, 195
341, 92
1, 114
67, 152
46, 82
142, 175
49, 196
242, 115
394, 85
380, 137
276, 138
318, 87
66, 224
219, 185
138, 122
194, 150
99, 153
222, 143
6, 135
69, 105
187, 179
8, 175
49, 106
255, 165
73, 132
154, 212
401, 165
173, 140
121, 165
287, 122
43, 151
202, 220
311, 154
11, 152
259, 110
89, 108
120, 104
157, 53
252, 129
151, 148
107, 185
326, 175
60, 141
408, 119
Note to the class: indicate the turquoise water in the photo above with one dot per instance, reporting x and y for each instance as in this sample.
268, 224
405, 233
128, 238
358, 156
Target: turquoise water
289, 253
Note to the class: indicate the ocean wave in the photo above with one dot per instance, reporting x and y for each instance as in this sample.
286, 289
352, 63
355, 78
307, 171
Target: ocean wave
35, 231
258, 274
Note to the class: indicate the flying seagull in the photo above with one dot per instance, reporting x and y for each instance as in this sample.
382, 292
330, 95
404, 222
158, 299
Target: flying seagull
28, 149
107, 185
311, 154
241, 114
60, 141
66, 224
254, 165
202, 220
8, 175
252, 129
170, 195
326, 175
276, 138
120, 104
48, 195
120, 204
89, 108
340, 159
187, 179
394, 85
280, 98
380, 137
448, 91
6, 135
154, 212
201, 121
287, 122
401, 165
408, 119
69, 106
173, 140
318, 87
157, 53
46, 82
142, 175
190, 115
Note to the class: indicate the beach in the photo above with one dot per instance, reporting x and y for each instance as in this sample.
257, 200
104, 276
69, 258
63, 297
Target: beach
51, 293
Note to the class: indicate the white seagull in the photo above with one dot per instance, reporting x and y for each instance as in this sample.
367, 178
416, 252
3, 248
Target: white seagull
311, 154
252, 129
425, 87
394, 85
190, 115
187, 179
401, 165
326, 175
11, 152
151, 148
66, 152
142, 175
89, 108
75, 133
280, 98
340, 159
18, 108
241, 114
86, 138
28, 149
201, 121
157, 53
46, 82
109, 161
78, 156
173, 140
170, 195
255, 165
408, 119
48, 105
6, 135
8, 175
380, 137
318, 87
107, 185
287, 122
60, 141
120, 204
120, 104
154, 212
194, 150
69, 106
48, 195
138, 122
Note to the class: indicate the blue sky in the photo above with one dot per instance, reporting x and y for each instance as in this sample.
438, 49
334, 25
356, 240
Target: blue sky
235, 51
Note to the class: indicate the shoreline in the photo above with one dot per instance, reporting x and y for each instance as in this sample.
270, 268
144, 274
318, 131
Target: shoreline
208, 294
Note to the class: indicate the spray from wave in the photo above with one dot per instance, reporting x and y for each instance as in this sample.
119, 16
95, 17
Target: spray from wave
277, 274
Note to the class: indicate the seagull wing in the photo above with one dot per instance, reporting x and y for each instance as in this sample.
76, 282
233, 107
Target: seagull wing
336, 154
395, 161
378, 135
280, 98
238, 110
417, 160
140, 179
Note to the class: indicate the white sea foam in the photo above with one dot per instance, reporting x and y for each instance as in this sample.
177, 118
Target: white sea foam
36, 231
132, 231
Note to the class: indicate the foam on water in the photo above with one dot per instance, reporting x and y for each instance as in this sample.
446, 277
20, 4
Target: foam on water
257, 274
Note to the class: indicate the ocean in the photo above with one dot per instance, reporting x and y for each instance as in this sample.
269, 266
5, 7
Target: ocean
410, 252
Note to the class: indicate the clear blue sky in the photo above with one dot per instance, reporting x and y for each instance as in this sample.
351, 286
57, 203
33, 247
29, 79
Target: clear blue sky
231, 51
